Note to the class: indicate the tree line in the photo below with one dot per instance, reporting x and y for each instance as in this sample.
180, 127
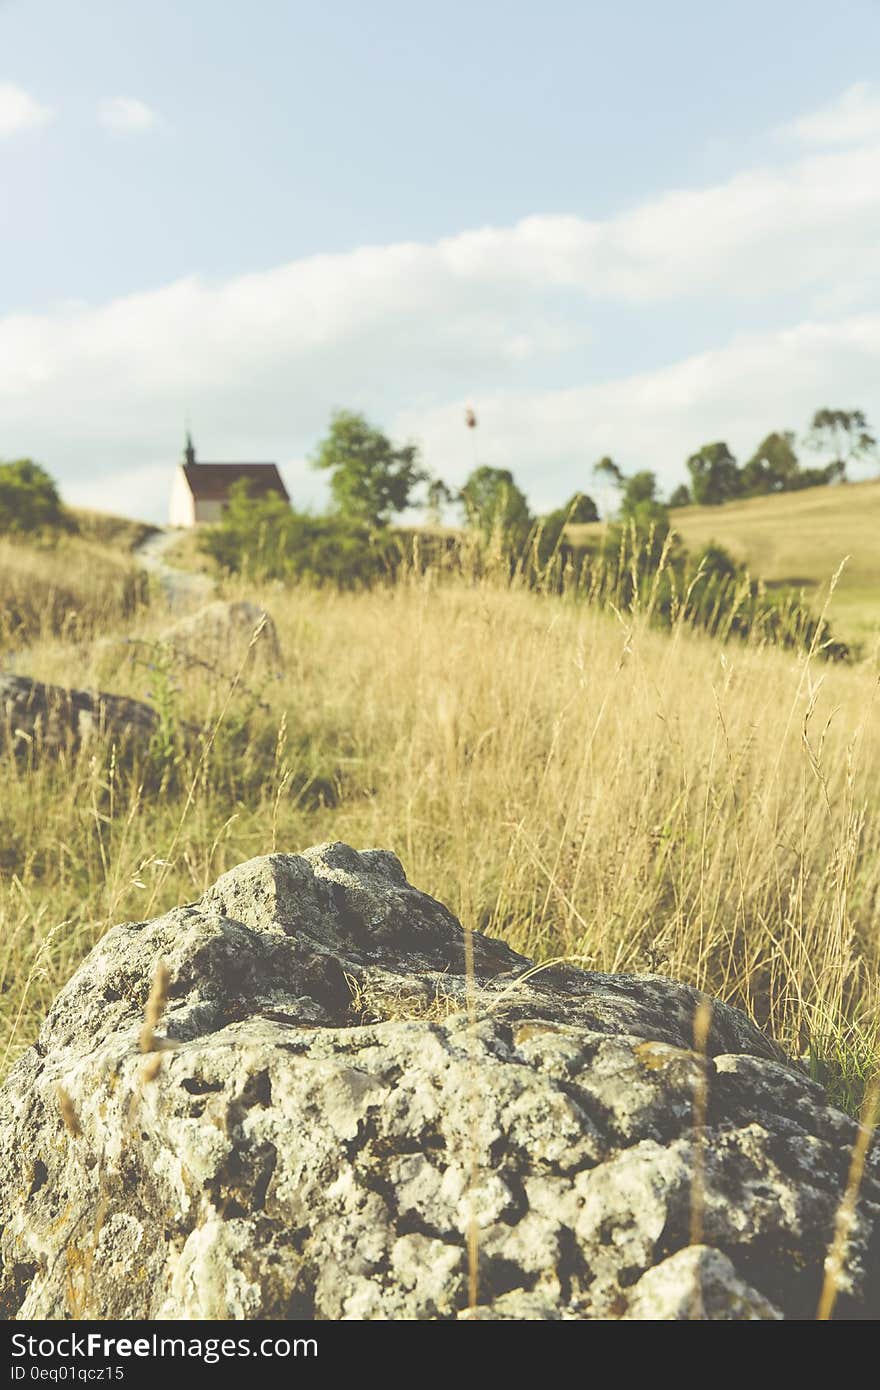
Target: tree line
372, 480
716, 477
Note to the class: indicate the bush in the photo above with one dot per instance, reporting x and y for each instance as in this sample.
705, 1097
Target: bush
29, 499
266, 539
652, 571
646, 568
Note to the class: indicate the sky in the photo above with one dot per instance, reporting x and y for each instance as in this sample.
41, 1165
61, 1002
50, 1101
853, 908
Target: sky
624, 230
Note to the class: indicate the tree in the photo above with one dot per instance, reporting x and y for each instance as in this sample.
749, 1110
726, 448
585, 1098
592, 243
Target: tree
844, 434
581, 510
371, 479
817, 477
550, 538
639, 502
773, 466
714, 474
492, 503
437, 496
681, 496
606, 467
29, 499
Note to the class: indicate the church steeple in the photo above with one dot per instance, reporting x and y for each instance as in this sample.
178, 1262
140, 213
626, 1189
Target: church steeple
189, 453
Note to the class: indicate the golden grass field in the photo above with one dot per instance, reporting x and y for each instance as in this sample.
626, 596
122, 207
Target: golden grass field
571, 780
72, 588
800, 538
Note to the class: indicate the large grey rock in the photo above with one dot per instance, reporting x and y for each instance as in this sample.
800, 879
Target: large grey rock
292, 1155
37, 717
225, 635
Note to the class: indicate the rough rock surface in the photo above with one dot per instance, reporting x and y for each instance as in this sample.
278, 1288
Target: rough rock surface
291, 1155
35, 716
226, 633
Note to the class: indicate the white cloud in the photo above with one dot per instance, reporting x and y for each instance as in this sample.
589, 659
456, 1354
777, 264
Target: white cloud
409, 332
127, 115
852, 118
19, 110
763, 231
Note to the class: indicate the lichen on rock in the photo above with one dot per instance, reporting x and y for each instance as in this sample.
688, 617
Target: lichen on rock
292, 1152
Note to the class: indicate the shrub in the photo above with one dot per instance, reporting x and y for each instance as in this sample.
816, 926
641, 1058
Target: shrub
29, 499
646, 568
266, 539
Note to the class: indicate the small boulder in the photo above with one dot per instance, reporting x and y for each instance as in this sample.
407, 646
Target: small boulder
226, 634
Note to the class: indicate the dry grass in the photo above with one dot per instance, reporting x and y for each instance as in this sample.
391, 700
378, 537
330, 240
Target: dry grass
373, 1003
186, 553
118, 532
579, 784
69, 588
799, 539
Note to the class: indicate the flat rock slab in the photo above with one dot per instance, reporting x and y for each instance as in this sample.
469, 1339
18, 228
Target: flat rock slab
38, 717
334, 1110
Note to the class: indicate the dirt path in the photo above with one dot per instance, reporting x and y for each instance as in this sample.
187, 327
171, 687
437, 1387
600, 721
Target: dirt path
181, 588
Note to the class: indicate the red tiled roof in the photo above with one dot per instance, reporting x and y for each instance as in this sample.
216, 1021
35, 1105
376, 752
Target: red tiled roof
210, 482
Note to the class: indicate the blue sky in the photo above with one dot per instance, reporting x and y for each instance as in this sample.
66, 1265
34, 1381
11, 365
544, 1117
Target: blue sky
621, 229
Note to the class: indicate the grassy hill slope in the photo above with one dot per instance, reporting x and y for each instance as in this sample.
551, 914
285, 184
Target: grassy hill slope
73, 587
800, 538
104, 528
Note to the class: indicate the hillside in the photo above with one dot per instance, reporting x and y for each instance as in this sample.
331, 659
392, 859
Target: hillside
118, 533
74, 587
800, 538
